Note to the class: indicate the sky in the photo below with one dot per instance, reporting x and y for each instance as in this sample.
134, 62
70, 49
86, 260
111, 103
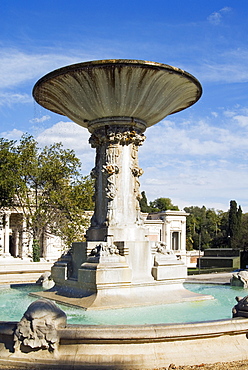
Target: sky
195, 157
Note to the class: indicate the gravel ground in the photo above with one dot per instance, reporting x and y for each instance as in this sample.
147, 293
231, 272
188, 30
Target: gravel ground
235, 365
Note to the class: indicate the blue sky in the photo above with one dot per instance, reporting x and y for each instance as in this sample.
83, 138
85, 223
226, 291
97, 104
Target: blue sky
196, 157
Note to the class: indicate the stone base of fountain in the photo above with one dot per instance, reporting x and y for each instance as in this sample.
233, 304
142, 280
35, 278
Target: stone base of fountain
119, 276
131, 296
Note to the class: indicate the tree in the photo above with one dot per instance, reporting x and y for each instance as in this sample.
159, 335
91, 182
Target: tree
244, 232
234, 224
203, 226
144, 207
162, 205
220, 239
7, 172
45, 184
71, 218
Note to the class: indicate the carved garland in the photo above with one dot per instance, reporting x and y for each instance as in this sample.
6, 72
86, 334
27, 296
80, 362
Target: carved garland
116, 135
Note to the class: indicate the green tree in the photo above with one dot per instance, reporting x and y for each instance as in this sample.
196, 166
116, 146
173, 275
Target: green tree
220, 239
72, 217
203, 227
234, 224
7, 172
45, 184
144, 207
162, 205
244, 232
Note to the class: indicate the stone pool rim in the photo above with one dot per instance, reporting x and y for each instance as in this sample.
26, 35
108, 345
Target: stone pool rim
136, 346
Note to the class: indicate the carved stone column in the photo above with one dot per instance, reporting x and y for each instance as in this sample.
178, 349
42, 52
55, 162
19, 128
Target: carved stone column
116, 172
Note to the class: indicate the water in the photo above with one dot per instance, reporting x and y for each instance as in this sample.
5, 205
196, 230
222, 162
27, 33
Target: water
14, 302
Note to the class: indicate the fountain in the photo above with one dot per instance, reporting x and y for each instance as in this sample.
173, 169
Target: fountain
117, 100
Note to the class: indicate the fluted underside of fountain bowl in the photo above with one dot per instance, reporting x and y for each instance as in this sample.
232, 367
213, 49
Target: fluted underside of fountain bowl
141, 90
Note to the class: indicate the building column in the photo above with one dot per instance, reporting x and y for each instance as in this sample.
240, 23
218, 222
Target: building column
168, 236
183, 236
6, 228
2, 232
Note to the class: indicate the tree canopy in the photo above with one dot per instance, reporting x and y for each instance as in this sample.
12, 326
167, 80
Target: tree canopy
46, 185
158, 205
217, 229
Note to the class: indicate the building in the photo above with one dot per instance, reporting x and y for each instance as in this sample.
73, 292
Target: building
169, 228
16, 240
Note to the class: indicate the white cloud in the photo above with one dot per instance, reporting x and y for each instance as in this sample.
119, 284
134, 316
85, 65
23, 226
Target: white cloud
216, 17
228, 71
12, 135
196, 139
222, 65
17, 67
242, 120
72, 136
198, 163
14, 98
40, 120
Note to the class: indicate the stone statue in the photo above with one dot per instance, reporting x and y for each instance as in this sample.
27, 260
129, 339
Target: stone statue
46, 281
241, 308
38, 326
240, 279
162, 252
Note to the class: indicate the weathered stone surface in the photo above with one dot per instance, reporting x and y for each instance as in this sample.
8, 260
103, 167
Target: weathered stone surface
241, 308
240, 279
38, 326
90, 91
45, 280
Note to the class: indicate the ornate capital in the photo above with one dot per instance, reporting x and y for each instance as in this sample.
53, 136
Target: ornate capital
116, 135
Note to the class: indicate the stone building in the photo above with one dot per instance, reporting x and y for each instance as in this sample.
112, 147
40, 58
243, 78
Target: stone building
168, 227
16, 240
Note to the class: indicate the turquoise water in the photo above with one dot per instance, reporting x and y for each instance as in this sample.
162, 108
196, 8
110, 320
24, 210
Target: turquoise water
14, 302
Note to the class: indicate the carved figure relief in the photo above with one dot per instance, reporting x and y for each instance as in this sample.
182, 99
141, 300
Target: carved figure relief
38, 326
137, 172
103, 250
111, 169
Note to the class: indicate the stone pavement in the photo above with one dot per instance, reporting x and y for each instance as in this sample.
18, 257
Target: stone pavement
213, 278
15, 270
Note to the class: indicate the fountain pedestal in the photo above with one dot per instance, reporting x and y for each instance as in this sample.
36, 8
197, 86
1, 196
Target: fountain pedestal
116, 101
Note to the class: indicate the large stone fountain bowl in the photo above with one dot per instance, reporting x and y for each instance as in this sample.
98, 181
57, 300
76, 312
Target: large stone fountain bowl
118, 89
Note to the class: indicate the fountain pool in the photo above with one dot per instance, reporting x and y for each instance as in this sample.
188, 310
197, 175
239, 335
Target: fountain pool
13, 303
